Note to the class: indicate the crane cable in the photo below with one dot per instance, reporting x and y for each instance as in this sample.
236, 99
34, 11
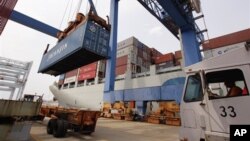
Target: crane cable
64, 14
78, 7
71, 5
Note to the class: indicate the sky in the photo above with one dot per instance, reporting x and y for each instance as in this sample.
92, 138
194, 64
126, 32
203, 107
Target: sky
25, 44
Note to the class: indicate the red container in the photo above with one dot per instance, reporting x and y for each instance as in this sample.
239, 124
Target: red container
120, 70
88, 68
229, 39
178, 55
71, 73
87, 75
122, 60
164, 58
155, 52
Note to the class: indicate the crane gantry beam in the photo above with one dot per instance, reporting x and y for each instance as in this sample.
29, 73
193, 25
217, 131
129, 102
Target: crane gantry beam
177, 17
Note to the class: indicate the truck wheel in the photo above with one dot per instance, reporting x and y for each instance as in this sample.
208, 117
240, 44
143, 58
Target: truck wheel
60, 128
50, 126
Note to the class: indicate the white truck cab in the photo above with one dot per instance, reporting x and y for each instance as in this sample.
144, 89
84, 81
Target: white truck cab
207, 108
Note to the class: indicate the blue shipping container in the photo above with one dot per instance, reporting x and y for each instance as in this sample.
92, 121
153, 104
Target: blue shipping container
87, 44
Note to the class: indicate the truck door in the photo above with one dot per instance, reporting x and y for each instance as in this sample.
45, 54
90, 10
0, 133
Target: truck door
193, 112
228, 104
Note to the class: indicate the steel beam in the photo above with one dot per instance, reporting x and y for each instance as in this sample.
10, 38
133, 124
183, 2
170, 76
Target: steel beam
33, 23
110, 67
190, 49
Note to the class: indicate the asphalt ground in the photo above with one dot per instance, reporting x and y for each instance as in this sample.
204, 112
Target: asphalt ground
113, 130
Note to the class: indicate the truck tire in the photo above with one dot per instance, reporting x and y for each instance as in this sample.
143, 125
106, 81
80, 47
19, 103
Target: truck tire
60, 128
50, 126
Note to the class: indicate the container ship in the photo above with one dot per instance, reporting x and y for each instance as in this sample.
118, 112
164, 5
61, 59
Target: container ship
142, 74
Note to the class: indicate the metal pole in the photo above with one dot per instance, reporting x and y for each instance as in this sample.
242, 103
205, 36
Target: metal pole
110, 67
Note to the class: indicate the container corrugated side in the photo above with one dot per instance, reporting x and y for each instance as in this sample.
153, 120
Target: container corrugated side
177, 54
87, 75
88, 68
164, 58
87, 44
122, 60
120, 70
71, 73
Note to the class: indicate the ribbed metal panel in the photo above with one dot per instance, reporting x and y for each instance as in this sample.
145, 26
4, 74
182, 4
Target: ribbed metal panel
87, 44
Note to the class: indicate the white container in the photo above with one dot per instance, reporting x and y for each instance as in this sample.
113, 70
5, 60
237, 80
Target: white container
130, 41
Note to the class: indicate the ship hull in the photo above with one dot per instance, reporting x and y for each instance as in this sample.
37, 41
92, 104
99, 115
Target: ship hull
92, 96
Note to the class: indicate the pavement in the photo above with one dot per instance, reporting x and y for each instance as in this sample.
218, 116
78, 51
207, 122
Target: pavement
113, 130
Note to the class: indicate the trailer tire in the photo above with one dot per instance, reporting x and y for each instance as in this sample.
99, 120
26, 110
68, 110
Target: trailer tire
50, 126
60, 128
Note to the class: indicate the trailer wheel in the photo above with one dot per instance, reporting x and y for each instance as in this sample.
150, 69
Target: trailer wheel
60, 128
50, 126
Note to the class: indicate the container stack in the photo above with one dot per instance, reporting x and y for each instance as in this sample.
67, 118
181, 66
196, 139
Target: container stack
178, 57
87, 72
132, 55
154, 53
70, 78
165, 61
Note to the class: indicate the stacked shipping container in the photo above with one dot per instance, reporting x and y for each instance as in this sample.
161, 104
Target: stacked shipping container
164, 61
87, 72
132, 57
178, 57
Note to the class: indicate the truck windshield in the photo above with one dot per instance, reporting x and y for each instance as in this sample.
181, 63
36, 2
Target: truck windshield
193, 89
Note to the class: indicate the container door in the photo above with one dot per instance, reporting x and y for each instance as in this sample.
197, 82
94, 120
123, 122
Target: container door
228, 103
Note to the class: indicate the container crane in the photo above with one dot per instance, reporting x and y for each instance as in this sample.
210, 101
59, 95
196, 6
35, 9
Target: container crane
175, 15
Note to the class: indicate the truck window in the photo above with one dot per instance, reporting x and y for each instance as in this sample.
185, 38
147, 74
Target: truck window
193, 89
224, 84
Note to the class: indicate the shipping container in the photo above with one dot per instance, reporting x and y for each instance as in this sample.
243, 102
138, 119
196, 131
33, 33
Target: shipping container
165, 65
178, 54
122, 60
133, 58
229, 39
128, 42
155, 53
71, 73
140, 52
124, 51
164, 58
88, 68
70, 79
87, 44
87, 75
178, 62
121, 70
